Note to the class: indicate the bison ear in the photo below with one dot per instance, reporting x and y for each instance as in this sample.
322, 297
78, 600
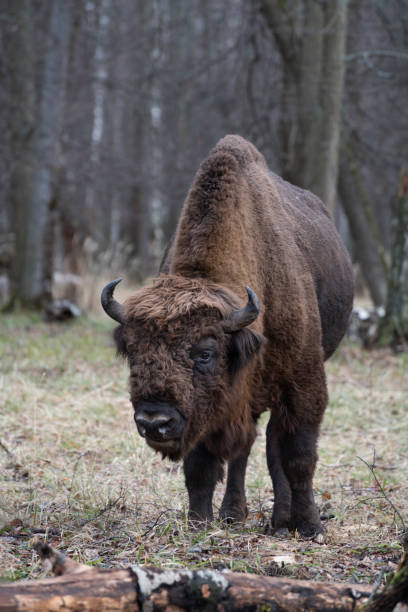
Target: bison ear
120, 341
244, 345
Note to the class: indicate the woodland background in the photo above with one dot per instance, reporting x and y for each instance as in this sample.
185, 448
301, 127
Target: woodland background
108, 108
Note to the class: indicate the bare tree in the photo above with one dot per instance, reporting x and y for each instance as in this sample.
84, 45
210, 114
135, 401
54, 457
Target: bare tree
23, 125
40, 172
394, 328
331, 95
311, 38
368, 245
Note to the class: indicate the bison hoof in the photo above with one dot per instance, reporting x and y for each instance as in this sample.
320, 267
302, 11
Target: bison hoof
233, 515
305, 528
198, 526
308, 530
199, 523
280, 520
281, 532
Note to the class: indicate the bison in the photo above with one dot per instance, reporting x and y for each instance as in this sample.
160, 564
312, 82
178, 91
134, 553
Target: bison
253, 294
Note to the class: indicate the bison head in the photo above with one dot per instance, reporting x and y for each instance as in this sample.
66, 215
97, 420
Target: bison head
188, 346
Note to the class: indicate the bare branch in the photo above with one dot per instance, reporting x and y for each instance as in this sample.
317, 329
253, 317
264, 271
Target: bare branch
376, 52
381, 488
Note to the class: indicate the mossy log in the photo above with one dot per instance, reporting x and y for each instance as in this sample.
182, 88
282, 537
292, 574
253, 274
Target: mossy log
78, 587
395, 595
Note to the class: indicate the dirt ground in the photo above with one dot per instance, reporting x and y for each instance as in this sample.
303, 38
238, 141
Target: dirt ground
74, 470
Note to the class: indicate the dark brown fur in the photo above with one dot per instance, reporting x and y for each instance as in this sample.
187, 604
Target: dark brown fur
243, 225
174, 314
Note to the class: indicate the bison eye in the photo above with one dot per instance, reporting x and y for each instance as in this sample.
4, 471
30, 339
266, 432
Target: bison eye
204, 356
205, 361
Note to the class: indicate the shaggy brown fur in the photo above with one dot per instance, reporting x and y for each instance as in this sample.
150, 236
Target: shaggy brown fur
163, 322
242, 225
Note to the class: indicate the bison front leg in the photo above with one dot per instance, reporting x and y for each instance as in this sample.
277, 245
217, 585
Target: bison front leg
281, 487
202, 471
233, 507
299, 457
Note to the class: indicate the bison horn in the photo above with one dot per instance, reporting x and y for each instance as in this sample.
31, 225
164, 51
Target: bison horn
244, 316
111, 306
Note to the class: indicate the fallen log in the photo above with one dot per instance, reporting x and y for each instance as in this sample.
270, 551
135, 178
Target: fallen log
395, 595
79, 587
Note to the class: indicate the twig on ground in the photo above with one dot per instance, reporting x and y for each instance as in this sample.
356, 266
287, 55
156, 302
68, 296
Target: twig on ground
155, 523
381, 488
377, 585
74, 471
111, 504
7, 450
22, 471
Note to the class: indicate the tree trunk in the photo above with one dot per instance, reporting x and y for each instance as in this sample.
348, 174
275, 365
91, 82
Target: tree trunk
139, 588
314, 70
279, 18
80, 587
144, 152
394, 329
176, 590
307, 142
23, 96
178, 117
95, 191
326, 161
117, 71
367, 243
32, 212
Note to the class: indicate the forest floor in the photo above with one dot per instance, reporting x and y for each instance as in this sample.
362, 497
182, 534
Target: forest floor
74, 470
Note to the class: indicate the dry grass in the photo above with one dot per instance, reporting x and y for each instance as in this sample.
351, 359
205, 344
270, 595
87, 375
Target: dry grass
74, 469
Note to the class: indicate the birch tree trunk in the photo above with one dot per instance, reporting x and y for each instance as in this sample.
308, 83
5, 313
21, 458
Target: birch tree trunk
94, 220
177, 117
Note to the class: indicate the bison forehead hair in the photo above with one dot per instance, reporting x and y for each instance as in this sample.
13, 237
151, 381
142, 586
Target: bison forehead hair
172, 297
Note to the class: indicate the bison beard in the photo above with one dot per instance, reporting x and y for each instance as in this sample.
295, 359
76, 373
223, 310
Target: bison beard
203, 366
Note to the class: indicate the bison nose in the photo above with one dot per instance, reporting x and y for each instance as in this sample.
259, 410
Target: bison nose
152, 427
158, 420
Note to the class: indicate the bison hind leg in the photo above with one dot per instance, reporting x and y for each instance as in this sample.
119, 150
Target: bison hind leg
281, 487
291, 461
299, 457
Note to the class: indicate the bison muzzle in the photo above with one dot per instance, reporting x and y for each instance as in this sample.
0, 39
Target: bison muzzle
208, 354
158, 422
